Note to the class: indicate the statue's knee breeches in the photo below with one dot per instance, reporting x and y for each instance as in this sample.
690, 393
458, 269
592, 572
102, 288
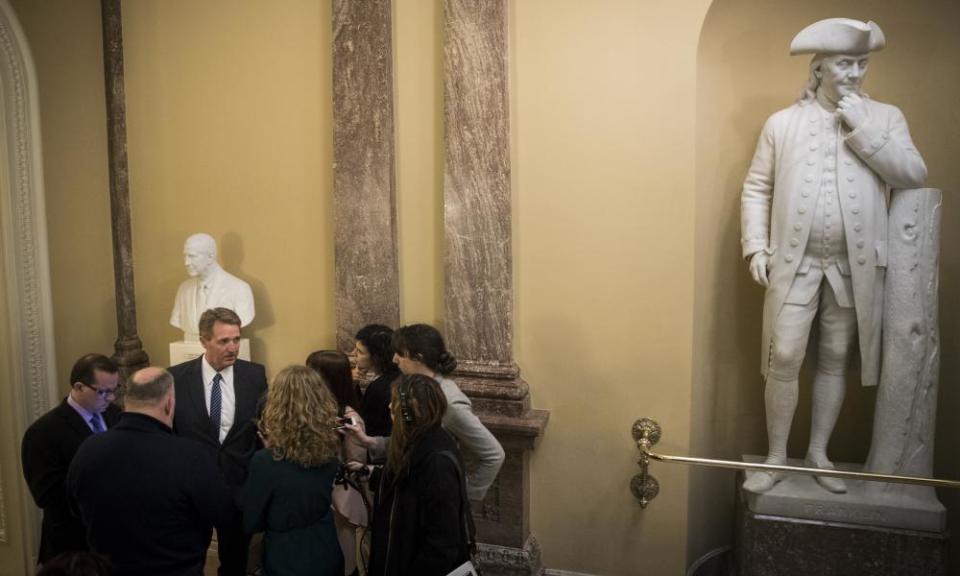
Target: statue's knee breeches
786, 357
838, 337
790, 335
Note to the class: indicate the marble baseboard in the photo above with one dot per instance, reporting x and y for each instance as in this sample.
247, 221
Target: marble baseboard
510, 561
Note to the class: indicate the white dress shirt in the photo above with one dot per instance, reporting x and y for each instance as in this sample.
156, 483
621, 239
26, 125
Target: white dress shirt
86, 414
227, 397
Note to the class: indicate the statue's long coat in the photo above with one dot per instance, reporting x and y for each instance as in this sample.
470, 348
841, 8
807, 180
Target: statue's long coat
779, 201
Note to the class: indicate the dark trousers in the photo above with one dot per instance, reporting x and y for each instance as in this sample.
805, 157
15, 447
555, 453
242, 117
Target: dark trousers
233, 544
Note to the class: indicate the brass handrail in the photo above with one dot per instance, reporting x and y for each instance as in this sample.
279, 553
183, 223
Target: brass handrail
646, 433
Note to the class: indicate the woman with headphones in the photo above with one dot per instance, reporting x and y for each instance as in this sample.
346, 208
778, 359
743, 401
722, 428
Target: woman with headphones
421, 517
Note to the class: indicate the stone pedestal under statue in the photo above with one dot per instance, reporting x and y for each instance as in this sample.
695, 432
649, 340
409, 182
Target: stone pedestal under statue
837, 535
799, 496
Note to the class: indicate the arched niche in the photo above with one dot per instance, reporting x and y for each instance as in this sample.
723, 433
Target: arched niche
27, 370
744, 74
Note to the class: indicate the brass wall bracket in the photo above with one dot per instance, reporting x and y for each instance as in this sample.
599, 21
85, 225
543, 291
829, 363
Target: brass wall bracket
644, 486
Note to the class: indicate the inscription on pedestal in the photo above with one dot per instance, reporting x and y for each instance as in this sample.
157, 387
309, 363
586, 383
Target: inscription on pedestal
841, 513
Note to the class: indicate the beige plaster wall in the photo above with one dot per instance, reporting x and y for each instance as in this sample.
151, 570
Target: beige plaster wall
604, 94
418, 109
64, 37
744, 74
230, 133
619, 243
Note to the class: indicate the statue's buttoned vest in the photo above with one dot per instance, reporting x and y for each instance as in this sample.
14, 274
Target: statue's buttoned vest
790, 172
825, 256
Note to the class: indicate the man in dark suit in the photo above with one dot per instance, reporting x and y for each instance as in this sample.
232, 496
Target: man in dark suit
148, 499
50, 443
218, 400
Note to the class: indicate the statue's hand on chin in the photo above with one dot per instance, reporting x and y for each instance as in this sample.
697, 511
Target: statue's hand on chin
852, 110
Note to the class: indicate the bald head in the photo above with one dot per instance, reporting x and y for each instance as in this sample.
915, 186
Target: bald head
202, 243
150, 391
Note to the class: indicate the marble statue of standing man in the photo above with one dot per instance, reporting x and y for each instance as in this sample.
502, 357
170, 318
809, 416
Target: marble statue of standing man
209, 286
814, 227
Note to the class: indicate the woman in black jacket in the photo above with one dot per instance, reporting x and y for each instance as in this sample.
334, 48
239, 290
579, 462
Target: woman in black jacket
420, 511
374, 354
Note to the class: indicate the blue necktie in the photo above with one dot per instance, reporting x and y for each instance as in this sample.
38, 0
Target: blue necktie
97, 425
215, 402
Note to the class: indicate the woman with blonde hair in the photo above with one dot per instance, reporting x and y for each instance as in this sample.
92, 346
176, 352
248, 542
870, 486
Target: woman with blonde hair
288, 492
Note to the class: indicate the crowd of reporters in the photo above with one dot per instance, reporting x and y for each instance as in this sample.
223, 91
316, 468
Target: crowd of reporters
331, 480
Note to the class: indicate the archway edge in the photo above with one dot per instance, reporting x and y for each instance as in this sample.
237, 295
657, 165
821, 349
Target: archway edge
24, 225
32, 384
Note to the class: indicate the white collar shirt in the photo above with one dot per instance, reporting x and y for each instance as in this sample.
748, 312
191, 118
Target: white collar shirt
86, 414
228, 397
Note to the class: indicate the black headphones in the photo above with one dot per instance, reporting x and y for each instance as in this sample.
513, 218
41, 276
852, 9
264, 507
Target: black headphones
405, 412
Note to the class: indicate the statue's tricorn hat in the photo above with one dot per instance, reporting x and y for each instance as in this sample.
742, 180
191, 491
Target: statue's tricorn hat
838, 36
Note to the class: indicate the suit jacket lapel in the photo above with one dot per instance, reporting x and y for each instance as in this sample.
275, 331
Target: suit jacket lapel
196, 393
111, 416
240, 401
74, 419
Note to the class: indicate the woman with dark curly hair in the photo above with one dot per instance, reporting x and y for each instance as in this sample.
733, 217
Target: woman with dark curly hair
288, 492
374, 353
419, 349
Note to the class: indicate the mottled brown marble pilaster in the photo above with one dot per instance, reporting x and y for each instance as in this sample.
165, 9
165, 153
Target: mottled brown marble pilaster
476, 187
367, 280
128, 349
478, 271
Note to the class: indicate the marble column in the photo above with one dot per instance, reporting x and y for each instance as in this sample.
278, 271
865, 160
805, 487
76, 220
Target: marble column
478, 269
367, 279
906, 409
128, 349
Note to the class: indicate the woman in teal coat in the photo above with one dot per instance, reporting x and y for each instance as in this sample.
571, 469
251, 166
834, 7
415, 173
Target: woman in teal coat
288, 492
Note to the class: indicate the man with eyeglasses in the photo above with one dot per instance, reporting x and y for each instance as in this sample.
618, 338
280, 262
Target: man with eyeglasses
51, 442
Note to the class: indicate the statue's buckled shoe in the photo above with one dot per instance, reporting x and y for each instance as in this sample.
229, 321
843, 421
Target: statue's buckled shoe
762, 481
829, 483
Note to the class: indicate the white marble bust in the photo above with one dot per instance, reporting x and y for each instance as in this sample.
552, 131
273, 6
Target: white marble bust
209, 286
